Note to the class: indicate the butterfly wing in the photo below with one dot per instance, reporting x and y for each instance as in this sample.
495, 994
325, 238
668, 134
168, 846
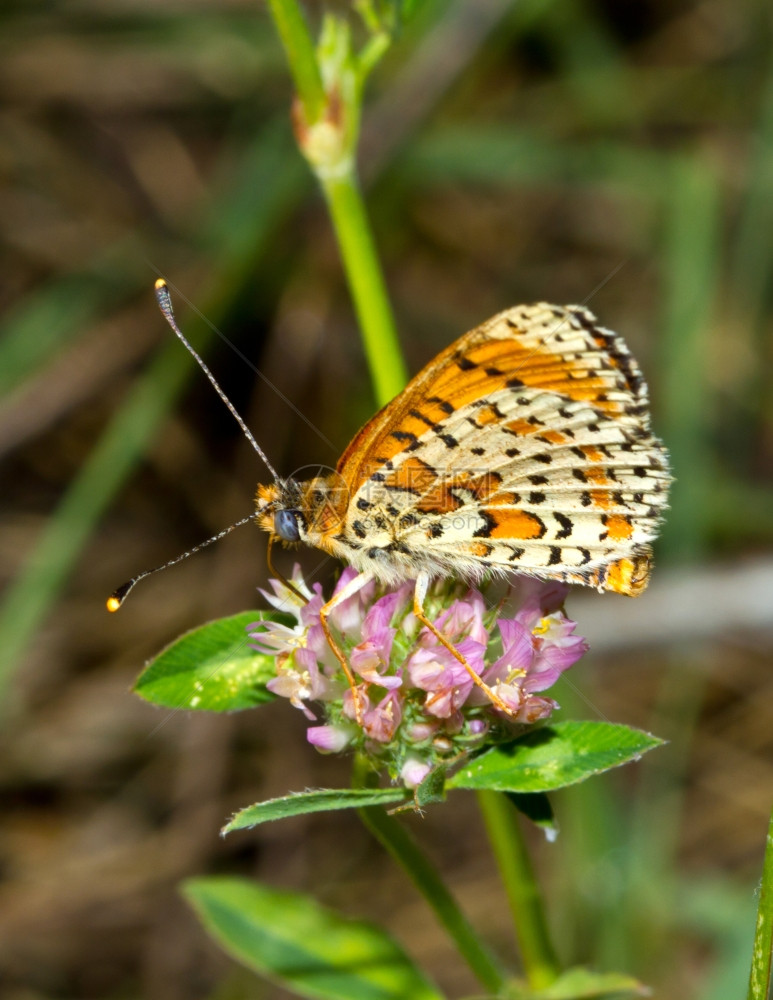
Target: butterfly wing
523, 447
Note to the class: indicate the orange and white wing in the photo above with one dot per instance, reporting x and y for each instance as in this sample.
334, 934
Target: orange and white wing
524, 447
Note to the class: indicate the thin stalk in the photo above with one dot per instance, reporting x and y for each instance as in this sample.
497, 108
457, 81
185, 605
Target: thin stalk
329, 147
301, 56
366, 281
539, 958
393, 836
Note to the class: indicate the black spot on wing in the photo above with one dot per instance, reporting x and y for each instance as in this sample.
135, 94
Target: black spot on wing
489, 523
404, 436
418, 415
444, 405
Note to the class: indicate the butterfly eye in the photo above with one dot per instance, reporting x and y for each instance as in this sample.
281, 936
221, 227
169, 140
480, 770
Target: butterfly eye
286, 525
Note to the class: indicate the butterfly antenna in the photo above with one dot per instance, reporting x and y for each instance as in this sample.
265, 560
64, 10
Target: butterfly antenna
165, 305
116, 599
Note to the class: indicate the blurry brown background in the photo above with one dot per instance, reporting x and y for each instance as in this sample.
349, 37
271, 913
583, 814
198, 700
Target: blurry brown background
570, 150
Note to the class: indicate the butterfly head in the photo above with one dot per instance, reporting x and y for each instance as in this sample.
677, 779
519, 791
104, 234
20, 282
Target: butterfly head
279, 510
301, 511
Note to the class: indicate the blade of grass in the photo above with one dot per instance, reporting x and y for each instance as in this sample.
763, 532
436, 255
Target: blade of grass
752, 249
691, 267
649, 862
759, 977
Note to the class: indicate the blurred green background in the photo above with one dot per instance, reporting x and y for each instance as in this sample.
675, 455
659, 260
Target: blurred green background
569, 150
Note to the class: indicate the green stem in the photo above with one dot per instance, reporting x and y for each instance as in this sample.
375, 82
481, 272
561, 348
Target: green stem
301, 56
366, 281
328, 144
393, 836
539, 959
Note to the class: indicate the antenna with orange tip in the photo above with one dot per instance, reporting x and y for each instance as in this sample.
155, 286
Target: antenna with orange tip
116, 599
118, 596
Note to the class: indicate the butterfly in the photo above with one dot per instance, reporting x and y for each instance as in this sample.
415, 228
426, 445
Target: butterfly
523, 448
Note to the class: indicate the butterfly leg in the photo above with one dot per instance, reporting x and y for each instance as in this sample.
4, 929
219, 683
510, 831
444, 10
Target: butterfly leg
419, 594
348, 591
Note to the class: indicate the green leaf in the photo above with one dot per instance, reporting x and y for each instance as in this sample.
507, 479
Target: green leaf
311, 951
319, 800
212, 668
433, 788
545, 759
583, 984
536, 807
553, 757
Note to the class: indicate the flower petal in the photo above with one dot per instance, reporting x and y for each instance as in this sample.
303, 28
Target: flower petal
348, 615
414, 771
380, 723
330, 739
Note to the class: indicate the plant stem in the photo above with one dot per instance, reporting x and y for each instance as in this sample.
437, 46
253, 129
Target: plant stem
366, 281
299, 49
539, 959
393, 836
327, 138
